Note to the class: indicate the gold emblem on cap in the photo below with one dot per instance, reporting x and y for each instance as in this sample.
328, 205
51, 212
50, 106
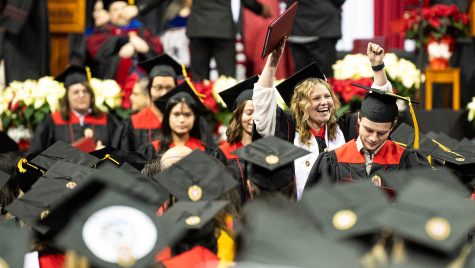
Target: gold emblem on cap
438, 228
460, 159
126, 258
376, 180
3, 263
195, 192
272, 159
193, 220
71, 185
44, 214
344, 219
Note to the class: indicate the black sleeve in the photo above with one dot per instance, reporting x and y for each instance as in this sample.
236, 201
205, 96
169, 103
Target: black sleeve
413, 159
43, 136
284, 127
348, 124
325, 169
253, 5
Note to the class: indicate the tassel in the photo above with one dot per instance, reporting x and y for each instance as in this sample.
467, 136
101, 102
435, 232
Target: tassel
88, 74
459, 262
377, 256
398, 252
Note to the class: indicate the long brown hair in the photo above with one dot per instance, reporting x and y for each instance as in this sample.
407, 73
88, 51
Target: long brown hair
65, 108
235, 129
300, 103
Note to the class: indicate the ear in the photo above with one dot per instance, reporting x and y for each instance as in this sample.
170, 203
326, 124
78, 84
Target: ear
359, 118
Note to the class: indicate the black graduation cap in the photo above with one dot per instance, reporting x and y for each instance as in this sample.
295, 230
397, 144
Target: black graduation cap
109, 227
27, 173
60, 180
276, 233
431, 215
287, 87
271, 157
163, 65
194, 215
73, 74
61, 150
14, 245
238, 93
118, 157
182, 91
4, 177
398, 180
345, 210
134, 183
196, 177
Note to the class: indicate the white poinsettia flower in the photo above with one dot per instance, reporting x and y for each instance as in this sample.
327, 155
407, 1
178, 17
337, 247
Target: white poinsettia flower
110, 88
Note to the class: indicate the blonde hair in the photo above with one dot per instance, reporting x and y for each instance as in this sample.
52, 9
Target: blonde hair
299, 106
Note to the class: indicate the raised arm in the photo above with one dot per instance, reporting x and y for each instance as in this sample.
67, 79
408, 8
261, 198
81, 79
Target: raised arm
264, 96
376, 56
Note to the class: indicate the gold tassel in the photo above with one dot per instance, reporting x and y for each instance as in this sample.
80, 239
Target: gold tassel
447, 149
459, 262
108, 156
398, 252
416, 124
377, 256
88, 74
22, 162
131, 2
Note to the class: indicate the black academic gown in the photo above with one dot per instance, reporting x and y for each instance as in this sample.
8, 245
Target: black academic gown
236, 166
346, 163
139, 130
55, 128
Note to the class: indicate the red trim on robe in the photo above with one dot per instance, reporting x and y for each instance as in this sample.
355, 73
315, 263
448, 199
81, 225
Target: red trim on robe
320, 133
197, 257
192, 143
73, 119
145, 119
227, 148
51, 260
389, 154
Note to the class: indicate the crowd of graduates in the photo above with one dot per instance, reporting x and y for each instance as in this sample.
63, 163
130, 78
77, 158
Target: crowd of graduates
296, 187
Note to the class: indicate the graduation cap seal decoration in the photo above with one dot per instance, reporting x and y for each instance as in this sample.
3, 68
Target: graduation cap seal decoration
163, 65
380, 106
194, 215
270, 157
196, 177
238, 93
287, 87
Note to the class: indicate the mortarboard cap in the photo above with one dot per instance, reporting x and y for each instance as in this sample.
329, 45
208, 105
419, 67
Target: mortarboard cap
4, 177
193, 215
270, 157
163, 65
134, 183
73, 74
109, 227
27, 173
182, 91
61, 150
423, 217
345, 210
277, 233
238, 93
60, 180
13, 246
196, 177
118, 157
287, 87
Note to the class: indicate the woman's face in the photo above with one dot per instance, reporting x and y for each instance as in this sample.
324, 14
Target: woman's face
79, 98
181, 119
246, 119
321, 105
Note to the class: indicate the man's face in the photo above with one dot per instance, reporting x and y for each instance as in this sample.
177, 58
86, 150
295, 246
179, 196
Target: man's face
117, 12
373, 134
161, 85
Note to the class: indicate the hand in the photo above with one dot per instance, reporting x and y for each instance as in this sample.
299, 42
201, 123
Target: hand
375, 54
277, 53
266, 11
101, 17
138, 43
99, 145
127, 51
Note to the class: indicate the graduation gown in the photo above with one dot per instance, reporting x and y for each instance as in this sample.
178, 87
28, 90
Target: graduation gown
236, 166
55, 128
139, 130
346, 163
